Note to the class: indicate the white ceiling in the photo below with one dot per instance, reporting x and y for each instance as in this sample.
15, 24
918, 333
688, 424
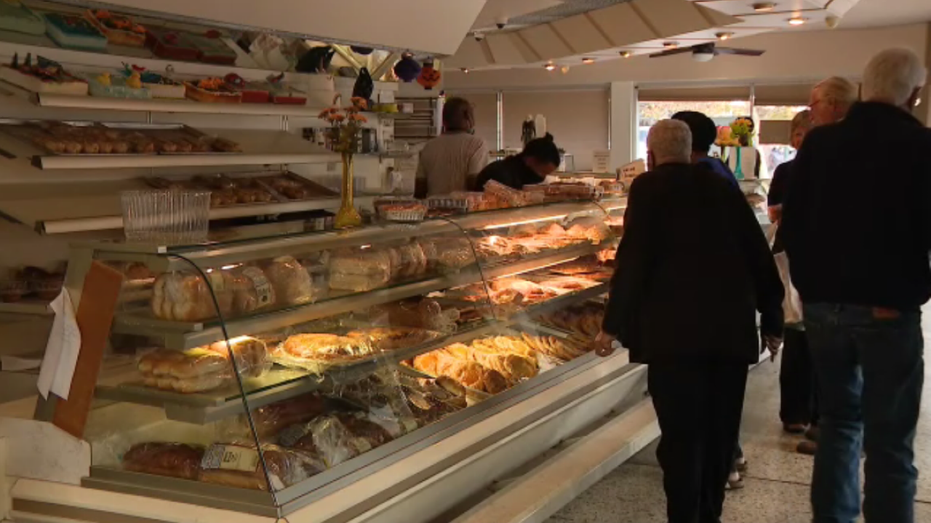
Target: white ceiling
876, 13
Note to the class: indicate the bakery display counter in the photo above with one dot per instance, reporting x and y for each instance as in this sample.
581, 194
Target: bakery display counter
275, 369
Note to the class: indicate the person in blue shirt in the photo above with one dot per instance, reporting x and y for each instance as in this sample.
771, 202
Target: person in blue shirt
704, 133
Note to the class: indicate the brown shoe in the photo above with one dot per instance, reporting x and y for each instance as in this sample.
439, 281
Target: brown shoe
809, 448
812, 433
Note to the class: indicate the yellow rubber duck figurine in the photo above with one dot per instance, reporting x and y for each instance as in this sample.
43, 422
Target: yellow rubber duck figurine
134, 81
104, 79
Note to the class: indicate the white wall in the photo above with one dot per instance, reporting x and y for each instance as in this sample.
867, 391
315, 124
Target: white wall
486, 116
578, 119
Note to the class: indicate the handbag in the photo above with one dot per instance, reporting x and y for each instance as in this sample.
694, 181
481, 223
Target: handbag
364, 86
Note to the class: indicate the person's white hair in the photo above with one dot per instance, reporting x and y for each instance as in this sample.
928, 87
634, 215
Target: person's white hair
892, 76
838, 90
670, 141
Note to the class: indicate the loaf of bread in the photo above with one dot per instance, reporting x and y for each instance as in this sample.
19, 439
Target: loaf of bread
252, 290
360, 270
422, 314
291, 282
164, 459
181, 296
251, 355
271, 419
285, 467
204, 368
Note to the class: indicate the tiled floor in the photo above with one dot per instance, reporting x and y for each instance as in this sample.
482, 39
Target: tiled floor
777, 483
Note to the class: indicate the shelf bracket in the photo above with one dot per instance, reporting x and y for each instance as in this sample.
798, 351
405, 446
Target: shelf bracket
346, 54
382, 68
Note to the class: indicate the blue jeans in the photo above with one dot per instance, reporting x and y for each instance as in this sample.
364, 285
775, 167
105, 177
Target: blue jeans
870, 370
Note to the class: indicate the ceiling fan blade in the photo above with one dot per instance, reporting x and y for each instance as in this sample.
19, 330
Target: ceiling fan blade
736, 51
670, 52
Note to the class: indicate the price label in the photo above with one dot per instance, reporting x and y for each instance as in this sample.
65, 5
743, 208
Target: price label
230, 457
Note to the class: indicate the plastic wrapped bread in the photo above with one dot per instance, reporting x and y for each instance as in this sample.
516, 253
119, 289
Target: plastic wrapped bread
327, 437
290, 280
512, 197
176, 460
202, 369
182, 296
453, 254
240, 466
360, 270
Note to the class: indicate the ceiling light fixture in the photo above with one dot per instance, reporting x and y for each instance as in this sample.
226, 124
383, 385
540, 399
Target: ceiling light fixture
565, 69
465, 70
625, 54
588, 60
762, 7
797, 20
724, 36
670, 45
549, 67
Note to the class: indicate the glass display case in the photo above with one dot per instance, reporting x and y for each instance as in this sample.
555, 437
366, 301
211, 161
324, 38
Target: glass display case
253, 374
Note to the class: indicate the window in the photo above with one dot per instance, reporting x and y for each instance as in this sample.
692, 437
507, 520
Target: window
722, 112
778, 150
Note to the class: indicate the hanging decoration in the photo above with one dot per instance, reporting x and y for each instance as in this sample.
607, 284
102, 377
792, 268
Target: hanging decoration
429, 77
407, 68
364, 51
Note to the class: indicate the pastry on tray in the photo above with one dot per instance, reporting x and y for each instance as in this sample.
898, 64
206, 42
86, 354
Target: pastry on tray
119, 29
14, 16
318, 352
43, 76
116, 86
252, 92
174, 45
73, 31
212, 90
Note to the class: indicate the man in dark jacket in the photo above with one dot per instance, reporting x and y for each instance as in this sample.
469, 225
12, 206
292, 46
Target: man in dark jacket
693, 268
539, 159
856, 226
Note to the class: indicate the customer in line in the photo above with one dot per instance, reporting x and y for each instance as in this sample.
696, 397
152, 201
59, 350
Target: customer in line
704, 133
862, 281
451, 161
797, 384
693, 268
539, 159
830, 100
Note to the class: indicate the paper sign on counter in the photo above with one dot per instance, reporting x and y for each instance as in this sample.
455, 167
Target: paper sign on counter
62, 349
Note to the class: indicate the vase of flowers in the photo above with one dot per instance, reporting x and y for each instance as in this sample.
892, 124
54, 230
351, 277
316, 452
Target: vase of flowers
344, 134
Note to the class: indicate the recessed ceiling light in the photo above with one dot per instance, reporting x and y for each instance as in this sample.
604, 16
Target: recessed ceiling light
797, 20
549, 67
723, 36
565, 69
670, 45
625, 54
588, 60
762, 7
465, 70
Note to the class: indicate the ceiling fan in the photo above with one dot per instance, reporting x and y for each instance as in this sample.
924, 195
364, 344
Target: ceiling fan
705, 52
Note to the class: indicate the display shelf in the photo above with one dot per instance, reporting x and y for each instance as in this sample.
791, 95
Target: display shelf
160, 258
29, 306
258, 148
188, 335
280, 383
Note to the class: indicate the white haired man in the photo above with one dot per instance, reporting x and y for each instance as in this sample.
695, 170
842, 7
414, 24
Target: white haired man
830, 100
693, 268
862, 285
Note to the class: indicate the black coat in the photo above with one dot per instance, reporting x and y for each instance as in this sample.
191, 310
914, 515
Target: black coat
693, 268
511, 171
856, 222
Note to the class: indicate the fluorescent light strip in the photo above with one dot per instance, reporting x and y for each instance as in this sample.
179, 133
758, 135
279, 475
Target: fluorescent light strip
511, 224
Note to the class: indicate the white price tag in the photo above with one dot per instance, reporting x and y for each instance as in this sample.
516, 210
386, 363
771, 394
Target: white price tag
230, 457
